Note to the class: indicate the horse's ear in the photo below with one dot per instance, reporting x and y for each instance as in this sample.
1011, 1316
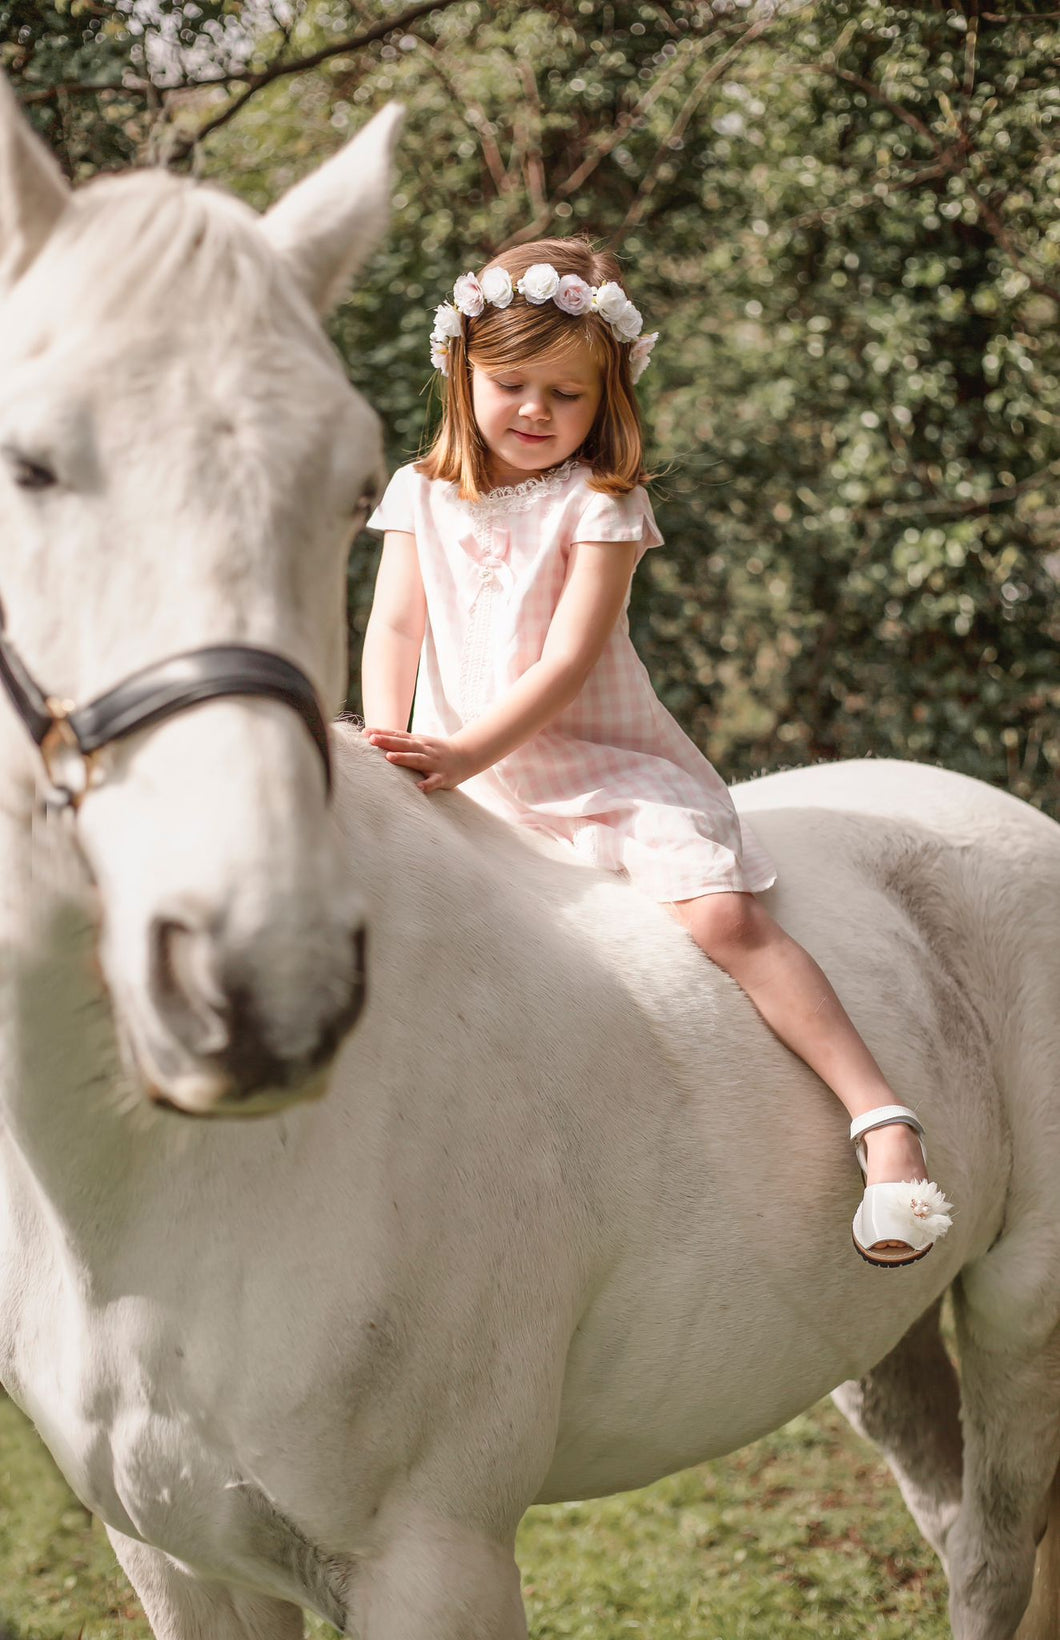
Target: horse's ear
32, 192
327, 224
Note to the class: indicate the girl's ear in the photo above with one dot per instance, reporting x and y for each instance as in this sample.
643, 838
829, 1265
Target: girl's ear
327, 224
33, 194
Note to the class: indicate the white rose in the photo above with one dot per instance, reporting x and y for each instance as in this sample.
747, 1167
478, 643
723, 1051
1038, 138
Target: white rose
609, 301
447, 322
539, 283
497, 287
573, 295
629, 324
468, 296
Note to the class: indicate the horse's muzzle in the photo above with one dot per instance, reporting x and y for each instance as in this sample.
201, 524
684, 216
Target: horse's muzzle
228, 1038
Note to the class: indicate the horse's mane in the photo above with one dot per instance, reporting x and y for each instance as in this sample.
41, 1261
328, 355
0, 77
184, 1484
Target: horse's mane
148, 244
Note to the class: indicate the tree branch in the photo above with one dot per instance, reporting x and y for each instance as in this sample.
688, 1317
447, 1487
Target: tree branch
476, 117
603, 144
533, 162
960, 509
256, 80
954, 159
872, 90
84, 88
681, 123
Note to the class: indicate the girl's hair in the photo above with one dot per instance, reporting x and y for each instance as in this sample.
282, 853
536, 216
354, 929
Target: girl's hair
503, 338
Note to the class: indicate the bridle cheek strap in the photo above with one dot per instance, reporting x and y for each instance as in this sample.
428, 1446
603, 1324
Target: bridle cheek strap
153, 694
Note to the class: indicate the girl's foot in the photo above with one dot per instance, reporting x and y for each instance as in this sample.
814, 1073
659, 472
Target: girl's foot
894, 1153
902, 1213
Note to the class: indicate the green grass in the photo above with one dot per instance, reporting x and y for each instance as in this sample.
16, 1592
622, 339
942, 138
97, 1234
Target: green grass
802, 1534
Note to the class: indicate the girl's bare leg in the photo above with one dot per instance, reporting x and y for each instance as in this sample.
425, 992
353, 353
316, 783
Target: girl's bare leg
796, 1000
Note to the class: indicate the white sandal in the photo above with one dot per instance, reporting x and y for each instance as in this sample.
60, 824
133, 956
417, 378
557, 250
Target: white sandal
914, 1212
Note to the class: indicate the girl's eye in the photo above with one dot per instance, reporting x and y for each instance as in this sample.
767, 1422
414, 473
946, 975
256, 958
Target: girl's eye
517, 387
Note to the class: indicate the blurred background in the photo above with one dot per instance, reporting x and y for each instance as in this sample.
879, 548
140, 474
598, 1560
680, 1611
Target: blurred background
844, 219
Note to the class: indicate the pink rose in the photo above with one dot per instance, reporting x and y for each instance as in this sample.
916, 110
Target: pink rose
467, 294
640, 355
573, 295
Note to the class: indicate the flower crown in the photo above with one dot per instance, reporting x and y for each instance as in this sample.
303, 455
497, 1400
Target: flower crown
541, 284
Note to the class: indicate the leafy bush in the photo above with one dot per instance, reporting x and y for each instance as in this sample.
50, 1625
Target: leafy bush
841, 216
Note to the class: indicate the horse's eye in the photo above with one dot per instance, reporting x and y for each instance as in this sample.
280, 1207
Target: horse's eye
30, 475
366, 505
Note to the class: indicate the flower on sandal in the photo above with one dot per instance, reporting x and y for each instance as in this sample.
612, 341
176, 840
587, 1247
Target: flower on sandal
927, 1209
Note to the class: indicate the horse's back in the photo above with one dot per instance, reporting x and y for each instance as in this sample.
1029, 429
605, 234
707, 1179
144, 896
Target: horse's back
955, 807
976, 870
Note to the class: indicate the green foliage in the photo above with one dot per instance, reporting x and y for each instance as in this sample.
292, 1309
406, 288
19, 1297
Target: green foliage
53, 47
104, 83
842, 217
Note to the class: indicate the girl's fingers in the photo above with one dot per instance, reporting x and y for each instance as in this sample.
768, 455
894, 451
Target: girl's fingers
410, 760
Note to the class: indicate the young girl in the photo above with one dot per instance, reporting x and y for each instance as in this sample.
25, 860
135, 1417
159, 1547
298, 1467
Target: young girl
504, 583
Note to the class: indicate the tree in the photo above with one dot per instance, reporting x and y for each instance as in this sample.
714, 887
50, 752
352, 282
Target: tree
841, 216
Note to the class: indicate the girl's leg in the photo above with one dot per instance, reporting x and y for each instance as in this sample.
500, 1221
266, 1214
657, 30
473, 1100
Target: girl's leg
798, 1003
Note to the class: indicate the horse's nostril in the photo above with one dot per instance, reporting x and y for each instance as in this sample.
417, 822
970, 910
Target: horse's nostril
253, 1016
185, 986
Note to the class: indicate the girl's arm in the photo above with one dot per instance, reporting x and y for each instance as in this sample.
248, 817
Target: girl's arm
593, 597
394, 636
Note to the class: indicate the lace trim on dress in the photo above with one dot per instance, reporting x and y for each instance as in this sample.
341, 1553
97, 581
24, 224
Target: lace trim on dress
519, 498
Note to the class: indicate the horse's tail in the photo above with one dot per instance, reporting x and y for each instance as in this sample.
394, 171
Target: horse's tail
1041, 1620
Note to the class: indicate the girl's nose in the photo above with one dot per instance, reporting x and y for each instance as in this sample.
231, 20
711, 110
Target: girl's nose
533, 410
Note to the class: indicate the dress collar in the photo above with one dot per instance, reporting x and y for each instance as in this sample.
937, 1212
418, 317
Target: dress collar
519, 498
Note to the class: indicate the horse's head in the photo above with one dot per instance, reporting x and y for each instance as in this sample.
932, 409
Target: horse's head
182, 464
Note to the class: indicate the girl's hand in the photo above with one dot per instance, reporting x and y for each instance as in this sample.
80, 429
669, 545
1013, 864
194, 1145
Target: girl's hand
441, 763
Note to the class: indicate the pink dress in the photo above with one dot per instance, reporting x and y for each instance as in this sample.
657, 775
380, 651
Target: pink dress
613, 775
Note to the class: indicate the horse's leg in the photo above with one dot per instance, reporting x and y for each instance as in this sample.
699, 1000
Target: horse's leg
438, 1581
1041, 1620
182, 1607
909, 1406
1011, 1417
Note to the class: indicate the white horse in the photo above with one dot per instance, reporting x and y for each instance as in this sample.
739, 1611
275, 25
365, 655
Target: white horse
569, 1216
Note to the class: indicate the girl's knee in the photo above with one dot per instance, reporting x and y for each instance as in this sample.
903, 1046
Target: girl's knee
726, 924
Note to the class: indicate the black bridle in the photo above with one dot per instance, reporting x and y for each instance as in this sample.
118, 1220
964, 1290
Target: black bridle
61, 731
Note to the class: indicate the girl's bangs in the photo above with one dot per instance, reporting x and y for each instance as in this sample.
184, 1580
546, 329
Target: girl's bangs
508, 338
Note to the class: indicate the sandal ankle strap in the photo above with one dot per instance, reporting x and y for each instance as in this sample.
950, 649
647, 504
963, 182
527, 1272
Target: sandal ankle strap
885, 1116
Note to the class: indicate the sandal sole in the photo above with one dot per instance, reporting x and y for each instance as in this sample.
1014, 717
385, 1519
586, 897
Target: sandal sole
889, 1263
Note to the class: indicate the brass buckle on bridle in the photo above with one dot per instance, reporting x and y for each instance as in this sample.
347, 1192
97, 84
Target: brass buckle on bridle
69, 769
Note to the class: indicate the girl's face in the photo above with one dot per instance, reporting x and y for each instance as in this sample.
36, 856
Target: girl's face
536, 414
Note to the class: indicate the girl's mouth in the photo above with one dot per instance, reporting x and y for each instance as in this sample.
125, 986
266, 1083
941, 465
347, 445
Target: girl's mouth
531, 438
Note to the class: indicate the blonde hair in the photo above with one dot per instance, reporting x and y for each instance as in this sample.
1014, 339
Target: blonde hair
503, 338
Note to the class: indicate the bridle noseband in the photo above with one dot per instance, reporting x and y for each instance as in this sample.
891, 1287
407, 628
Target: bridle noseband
61, 731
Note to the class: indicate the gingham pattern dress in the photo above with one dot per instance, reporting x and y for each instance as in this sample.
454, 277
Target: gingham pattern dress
613, 775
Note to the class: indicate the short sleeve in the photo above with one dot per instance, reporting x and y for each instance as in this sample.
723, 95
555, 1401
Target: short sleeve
397, 511
618, 518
